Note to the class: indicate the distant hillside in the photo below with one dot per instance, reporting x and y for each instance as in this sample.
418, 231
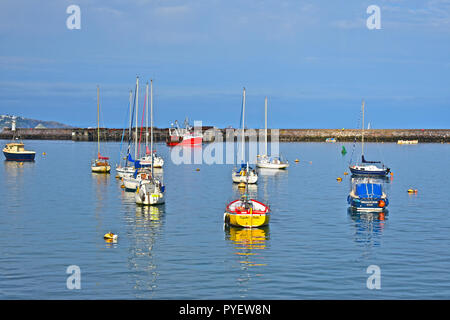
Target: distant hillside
5, 121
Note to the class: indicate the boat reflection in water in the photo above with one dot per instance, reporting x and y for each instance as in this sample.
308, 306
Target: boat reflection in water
368, 226
252, 190
144, 228
249, 245
150, 213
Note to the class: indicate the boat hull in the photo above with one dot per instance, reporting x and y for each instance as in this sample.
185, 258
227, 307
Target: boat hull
149, 199
367, 205
130, 183
123, 172
362, 172
272, 165
157, 162
246, 220
252, 179
101, 169
175, 141
22, 156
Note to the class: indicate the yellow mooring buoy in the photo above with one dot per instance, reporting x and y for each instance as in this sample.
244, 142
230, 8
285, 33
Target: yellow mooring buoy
296, 160
110, 236
339, 179
241, 185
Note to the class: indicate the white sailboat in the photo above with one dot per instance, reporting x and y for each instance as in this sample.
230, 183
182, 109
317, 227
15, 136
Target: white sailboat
245, 173
150, 154
266, 161
151, 190
131, 182
99, 165
128, 169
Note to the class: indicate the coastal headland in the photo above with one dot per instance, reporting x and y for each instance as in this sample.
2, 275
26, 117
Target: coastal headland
210, 134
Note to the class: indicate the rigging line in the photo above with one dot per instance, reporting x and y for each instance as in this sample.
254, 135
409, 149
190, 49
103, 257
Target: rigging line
142, 123
123, 133
130, 138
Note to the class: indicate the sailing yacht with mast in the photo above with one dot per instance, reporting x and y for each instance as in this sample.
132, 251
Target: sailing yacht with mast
99, 165
245, 173
246, 212
264, 161
368, 168
150, 154
131, 182
150, 190
127, 169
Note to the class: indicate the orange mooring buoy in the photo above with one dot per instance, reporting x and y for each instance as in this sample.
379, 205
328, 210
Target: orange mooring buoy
381, 203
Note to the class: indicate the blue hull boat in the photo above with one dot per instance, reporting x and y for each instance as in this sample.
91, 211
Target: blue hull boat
15, 152
364, 170
368, 197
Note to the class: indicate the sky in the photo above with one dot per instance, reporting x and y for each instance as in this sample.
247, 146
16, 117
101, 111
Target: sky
314, 60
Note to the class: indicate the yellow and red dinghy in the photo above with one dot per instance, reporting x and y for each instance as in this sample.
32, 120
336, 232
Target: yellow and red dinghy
247, 213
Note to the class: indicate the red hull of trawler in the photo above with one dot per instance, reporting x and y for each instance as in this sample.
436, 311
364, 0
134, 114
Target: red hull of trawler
184, 141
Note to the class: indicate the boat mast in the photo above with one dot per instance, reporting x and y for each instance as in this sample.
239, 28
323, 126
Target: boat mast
265, 112
151, 124
98, 121
137, 105
146, 119
129, 129
362, 133
243, 125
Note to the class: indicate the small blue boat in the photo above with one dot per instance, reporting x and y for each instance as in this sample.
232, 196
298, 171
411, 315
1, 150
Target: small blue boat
367, 196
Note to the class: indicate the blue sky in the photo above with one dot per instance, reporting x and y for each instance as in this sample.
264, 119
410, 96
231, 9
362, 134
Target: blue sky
315, 60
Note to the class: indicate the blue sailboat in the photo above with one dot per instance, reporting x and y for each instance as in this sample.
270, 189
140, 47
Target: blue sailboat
365, 167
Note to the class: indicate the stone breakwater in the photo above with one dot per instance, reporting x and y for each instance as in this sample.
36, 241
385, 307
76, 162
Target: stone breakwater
210, 133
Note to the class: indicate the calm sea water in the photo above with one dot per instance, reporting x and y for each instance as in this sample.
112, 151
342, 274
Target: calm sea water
54, 213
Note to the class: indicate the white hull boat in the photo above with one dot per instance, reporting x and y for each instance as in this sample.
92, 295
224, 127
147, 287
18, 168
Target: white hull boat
264, 161
271, 163
146, 161
131, 183
123, 172
150, 192
245, 174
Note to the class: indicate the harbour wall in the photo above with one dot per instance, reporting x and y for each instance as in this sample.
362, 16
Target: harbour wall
211, 134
